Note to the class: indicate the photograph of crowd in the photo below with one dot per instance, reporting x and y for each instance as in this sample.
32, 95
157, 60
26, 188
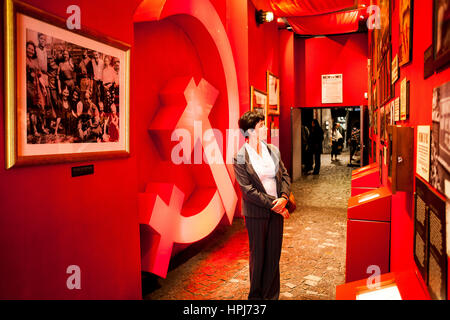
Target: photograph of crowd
440, 138
72, 92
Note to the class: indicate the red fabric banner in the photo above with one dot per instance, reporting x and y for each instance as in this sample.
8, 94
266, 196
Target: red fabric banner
302, 8
333, 23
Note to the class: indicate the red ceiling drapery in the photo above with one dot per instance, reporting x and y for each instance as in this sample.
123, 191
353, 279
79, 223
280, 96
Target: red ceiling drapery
333, 23
317, 17
300, 8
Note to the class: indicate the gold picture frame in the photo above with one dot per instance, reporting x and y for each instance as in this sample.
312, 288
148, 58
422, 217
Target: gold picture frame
273, 93
258, 102
37, 94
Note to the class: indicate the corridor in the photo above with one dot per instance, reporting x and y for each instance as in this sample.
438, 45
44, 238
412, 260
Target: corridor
313, 255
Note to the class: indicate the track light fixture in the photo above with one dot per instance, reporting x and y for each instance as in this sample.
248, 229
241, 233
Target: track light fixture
263, 16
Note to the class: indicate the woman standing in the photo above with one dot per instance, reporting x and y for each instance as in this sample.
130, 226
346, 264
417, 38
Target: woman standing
335, 137
265, 187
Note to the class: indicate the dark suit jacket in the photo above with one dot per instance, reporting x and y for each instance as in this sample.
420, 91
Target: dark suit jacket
256, 203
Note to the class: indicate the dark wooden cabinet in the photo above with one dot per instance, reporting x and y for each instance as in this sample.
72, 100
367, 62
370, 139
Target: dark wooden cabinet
401, 158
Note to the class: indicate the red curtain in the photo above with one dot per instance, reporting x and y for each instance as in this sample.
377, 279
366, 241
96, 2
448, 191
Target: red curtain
318, 17
332, 23
301, 8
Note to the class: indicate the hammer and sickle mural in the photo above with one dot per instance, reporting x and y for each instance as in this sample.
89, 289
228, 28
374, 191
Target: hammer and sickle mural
165, 216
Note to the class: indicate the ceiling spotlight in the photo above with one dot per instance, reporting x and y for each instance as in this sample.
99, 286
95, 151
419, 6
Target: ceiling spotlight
263, 16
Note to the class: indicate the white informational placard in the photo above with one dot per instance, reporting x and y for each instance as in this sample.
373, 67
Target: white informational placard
397, 109
423, 152
403, 98
389, 293
394, 76
332, 88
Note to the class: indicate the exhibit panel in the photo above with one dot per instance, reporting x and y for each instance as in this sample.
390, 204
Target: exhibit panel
368, 234
410, 136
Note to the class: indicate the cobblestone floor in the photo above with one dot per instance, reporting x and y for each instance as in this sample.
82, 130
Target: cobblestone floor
313, 255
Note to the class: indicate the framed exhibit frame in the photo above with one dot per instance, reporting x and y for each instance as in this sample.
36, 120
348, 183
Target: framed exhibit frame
383, 36
406, 29
430, 252
382, 124
441, 33
332, 88
258, 101
440, 131
273, 93
56, 107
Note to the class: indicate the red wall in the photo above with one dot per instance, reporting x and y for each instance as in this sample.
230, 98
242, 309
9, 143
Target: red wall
287, 92
346, 54
421, 91
270, 49
49, 220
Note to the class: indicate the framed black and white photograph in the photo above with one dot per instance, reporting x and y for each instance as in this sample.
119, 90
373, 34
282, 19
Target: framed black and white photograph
405, 41
273, 92
441, 33
258, 101
440, 133
70, 92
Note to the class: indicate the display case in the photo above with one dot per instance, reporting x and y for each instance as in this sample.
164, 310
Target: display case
400, 160
368, 233
363, 179
364, 169
430, 247
366, 179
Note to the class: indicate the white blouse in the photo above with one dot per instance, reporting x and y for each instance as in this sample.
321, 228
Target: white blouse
264, 168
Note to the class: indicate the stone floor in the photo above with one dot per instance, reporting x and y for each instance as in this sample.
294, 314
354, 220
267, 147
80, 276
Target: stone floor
313, 255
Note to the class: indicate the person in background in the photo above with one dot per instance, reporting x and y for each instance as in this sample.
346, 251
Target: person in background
316, 144
335, 138
265, 187
341, 141
354, 141
306, 149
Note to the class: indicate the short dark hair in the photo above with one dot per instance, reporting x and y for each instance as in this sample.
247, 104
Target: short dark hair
34, 46
249, 120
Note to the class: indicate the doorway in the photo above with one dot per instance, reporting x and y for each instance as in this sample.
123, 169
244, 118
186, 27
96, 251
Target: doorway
349, 120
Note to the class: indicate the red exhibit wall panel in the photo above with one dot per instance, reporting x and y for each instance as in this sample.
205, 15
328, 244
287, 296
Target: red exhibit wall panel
49, 220
287, 99
346, 54
421, 93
